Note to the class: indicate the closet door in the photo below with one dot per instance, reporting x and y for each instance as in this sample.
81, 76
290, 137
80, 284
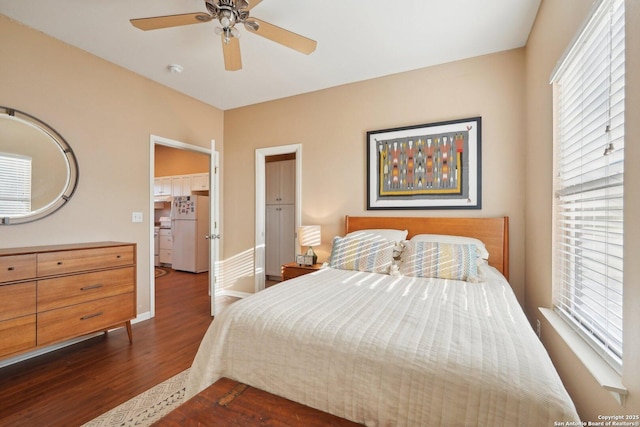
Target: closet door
272, 171
281, 182
280, 215
287, 182
287, 235
272, 240
279, 238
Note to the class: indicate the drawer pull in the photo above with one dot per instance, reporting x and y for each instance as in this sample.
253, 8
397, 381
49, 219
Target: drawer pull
90, 316
88, 288
11, 268
59, 262
118, 256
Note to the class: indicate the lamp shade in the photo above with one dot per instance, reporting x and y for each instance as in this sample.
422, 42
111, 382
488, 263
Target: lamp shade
309, 235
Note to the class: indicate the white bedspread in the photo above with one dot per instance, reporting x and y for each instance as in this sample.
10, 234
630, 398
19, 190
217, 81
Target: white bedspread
389, 351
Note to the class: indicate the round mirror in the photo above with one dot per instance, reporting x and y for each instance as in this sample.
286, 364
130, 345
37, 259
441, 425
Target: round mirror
38, 170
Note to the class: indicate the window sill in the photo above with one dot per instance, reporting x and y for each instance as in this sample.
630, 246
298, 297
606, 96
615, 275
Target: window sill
604, 374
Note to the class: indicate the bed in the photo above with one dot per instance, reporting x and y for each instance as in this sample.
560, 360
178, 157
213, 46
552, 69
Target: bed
395, 348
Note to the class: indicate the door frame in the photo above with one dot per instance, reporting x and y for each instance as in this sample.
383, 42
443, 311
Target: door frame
214, 225
159, 140
261, 200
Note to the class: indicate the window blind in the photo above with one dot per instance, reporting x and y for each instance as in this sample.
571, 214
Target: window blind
15, 184
589, 181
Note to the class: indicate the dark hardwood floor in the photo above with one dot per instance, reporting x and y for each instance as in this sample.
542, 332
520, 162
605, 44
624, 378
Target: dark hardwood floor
75, 384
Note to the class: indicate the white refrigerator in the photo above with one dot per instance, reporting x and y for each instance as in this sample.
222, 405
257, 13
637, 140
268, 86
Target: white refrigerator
190, 226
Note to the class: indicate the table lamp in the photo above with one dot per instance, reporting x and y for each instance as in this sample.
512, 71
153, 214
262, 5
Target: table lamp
308, 235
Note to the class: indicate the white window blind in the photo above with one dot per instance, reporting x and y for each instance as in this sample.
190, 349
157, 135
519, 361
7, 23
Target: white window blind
15, 184
589, 186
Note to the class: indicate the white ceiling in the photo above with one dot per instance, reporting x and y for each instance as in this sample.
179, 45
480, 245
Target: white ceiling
357, 40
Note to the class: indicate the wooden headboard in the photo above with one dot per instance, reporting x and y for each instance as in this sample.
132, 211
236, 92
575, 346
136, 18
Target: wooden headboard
494, 232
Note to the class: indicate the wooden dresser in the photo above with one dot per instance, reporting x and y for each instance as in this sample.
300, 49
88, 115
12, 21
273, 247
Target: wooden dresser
50, 294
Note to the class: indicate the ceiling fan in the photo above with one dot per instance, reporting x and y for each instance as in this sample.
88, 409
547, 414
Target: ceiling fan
229, 13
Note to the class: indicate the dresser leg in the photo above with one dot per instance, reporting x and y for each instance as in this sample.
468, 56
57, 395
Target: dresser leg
129, 331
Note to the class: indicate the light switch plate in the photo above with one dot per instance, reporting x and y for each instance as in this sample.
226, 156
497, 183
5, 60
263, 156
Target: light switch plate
136, 216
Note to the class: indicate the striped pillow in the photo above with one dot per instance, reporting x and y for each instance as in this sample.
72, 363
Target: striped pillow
371, 255
440, 260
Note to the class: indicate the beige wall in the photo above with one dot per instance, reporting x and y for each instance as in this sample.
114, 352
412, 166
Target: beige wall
556, 24
331, 125
107, 115
92, 104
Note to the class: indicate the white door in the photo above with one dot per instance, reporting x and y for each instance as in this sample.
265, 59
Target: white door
214, 227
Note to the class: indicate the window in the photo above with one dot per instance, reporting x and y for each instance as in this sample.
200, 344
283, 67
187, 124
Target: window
15, 184
589, 169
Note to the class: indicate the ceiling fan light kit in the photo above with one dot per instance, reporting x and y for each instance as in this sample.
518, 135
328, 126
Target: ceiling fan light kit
228, 13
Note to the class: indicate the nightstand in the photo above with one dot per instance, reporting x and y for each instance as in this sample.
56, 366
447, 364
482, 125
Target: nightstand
291, 270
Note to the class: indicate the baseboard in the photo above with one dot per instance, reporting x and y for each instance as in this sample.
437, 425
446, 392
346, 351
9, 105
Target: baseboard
236, 294
40, 351
142, 317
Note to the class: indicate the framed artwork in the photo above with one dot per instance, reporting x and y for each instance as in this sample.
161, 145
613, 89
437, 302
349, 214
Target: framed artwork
430, 166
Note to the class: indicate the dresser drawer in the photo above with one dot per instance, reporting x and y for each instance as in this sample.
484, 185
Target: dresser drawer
64, 262
17, 267
80, 319
17, 335
17, 300
69, 290
53, 293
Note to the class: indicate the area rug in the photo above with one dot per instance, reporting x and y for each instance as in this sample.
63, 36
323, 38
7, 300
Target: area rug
161, 271
147, 407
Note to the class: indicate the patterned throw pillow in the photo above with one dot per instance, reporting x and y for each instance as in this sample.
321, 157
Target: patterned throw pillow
440, 260
481, 250
371, 255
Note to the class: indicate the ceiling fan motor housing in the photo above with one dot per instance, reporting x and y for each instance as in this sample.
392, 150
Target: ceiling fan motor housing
228, 12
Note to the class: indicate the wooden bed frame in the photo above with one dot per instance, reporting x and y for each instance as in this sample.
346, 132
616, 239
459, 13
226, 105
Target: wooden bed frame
494, 232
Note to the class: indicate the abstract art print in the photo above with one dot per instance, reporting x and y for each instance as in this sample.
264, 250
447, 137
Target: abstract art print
430, 166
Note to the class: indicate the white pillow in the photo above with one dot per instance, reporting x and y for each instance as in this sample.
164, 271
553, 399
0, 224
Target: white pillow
461, 240
385, 233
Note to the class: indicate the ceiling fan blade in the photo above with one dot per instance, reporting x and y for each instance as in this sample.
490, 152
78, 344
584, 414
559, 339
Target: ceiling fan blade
253, 3
158, 22
284, 37
231, 52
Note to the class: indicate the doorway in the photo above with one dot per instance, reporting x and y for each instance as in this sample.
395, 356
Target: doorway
180, 169
280, 230
262, 154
